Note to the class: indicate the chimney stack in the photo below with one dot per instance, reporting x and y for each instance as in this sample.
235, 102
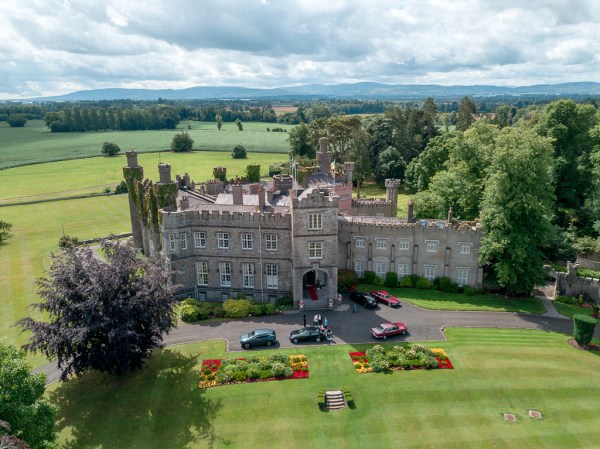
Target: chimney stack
410, 215
238, 194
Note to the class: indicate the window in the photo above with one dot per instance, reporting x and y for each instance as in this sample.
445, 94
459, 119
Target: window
225, 274
402, 270
360, 242
359, 267
430, 272
202, 273
272, 275
172, 245
465, 248
183, 238
199, 239
248, 274
315, 250
247, 241
271, 240
462, 276
381, 244
432, 245
381, 268
223, 240
314, 222
404, 244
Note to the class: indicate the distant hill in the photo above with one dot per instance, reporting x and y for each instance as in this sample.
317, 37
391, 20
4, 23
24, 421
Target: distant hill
363, 90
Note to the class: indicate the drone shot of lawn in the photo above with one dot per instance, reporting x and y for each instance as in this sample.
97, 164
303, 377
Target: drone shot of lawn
496, 372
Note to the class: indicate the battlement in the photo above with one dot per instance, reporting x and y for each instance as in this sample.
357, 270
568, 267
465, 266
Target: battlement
353, 223
315, 197
369, 202
225, 218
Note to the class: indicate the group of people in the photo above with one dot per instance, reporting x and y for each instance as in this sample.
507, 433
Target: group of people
322, 323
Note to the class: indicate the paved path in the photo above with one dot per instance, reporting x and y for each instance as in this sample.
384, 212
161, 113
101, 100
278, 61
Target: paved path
350, 327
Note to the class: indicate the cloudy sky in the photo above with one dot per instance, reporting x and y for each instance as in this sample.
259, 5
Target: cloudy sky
51, 47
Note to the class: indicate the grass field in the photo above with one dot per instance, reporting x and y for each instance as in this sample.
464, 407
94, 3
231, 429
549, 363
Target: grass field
569, 309
35, 232
92, 175
35, 143
437, 300
372, 190
496, 371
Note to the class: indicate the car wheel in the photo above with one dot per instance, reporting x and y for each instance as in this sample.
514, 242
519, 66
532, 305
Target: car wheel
389, 304
269, 343
295, 340
247, 345
403, 332
385, 337
318, 339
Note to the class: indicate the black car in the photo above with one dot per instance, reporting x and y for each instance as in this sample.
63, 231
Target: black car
258, 337
307, 333
364, 299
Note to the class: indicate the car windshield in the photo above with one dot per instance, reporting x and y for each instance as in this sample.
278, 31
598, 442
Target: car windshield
251, 334
385, 295
379, 328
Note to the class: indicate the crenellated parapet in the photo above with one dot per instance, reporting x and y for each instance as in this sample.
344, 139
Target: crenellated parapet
217, 218
357, 224
315, 198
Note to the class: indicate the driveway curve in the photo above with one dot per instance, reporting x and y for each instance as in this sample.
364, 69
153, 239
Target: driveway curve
353, 327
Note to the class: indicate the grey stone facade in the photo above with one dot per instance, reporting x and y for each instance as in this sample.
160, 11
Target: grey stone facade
280, 238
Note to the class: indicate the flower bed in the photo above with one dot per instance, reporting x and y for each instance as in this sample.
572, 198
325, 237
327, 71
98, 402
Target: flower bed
216, 372
400, 358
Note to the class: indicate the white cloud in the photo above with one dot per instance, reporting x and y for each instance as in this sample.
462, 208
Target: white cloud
53, 48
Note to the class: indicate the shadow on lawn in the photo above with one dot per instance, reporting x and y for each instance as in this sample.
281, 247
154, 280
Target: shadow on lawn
159, 407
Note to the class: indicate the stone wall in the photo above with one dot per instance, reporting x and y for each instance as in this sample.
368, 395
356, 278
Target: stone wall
569, 284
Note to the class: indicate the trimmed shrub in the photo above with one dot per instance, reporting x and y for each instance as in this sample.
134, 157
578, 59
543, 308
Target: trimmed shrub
253, 172
346, 279
406, 281
567, 299
423, 284
182, 142
110, 149
454, 288
240, 376
370, 277
391, 279
469, 291
445, 284
121, 188
189, 312
236, 308
583, 331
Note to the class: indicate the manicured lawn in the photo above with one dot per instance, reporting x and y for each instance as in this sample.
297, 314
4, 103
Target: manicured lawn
437, 300
372, 190
570, 310
35, 143
92, 175
496, 371
36, 228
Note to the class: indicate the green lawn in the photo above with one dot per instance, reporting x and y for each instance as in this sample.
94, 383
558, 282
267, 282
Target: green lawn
437, 300
36, 228
372, 190
92, 175
496, 371
35, 143
569, 309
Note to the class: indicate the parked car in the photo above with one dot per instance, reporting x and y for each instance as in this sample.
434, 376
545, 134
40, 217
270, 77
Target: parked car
364, 299
258, 337
385, 330
386, 298
308, 333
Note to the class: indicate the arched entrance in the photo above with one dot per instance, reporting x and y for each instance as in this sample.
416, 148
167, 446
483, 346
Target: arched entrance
314, 285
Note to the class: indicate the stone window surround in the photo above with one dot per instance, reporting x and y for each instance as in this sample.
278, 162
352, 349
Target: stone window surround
462, 276
360, 239
432, 245
382, 243
202, 273
464, 247
430, 272
271, 242
315, 221
199, 239
315, 250
248, 274
247, 241
223, 240
225, 274
404, 244
183, 240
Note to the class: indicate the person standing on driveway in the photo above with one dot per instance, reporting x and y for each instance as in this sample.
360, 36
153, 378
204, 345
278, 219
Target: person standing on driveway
304, 320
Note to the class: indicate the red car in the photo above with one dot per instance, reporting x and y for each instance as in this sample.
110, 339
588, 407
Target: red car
385, 330
386, 298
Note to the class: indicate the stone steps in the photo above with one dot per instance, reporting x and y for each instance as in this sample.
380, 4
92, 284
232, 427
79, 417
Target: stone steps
334, 400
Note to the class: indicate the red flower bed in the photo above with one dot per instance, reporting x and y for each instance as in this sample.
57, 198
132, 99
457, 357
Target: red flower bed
210, 363
444, 364
362, 364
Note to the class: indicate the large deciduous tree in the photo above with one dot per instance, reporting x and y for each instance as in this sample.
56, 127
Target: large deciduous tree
465, 114
105, 314
517, 209
24, 412
299, 139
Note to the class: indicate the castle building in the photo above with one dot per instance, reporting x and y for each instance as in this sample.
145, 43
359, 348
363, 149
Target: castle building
282, 237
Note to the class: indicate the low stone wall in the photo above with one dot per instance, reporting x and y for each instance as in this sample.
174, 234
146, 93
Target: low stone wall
591, 261
569, 284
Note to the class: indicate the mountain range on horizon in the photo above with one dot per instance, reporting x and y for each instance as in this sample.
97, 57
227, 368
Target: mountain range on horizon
362, 90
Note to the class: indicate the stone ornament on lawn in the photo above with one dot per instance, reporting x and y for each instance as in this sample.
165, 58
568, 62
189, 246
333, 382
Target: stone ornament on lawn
535, 414
510, 417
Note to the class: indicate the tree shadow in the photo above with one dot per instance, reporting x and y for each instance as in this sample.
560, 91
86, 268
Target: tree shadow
160, 406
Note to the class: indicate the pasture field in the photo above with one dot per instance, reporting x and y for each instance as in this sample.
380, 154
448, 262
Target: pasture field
92, 175
35, 143
36, 228
496, 371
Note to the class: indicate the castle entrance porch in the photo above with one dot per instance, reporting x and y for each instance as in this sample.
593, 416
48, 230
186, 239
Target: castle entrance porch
314, 287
